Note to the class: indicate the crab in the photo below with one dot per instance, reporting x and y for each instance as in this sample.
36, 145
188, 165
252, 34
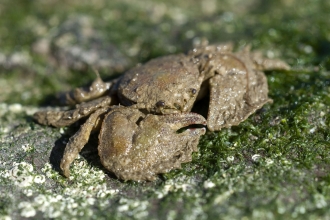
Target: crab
144, 117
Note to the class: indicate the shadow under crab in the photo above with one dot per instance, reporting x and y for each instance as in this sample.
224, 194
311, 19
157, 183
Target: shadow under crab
140, 113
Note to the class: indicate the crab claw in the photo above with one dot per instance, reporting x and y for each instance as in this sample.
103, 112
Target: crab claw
135, 146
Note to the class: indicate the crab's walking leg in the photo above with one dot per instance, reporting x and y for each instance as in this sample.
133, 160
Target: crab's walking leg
263, 63
227, 100
239, 86
78, 141
65, 118
234, 97
97, 89
257, 93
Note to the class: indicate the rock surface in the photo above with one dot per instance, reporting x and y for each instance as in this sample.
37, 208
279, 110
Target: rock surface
273, 166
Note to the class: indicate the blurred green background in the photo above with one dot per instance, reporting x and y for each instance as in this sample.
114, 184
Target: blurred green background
275, 165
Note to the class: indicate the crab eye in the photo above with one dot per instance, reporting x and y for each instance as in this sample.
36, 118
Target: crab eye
193, 91
160, 103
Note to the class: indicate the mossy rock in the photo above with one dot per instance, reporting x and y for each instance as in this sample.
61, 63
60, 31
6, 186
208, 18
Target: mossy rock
275, 165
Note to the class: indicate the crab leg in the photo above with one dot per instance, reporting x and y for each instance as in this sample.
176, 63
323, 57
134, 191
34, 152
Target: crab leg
226, 106
263, 63
97, 89
78, 141
65, 118
239, 86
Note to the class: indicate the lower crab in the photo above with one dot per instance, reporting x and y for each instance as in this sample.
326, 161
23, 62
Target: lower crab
144, 117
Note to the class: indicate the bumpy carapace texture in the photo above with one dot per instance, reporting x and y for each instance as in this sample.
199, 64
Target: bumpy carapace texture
143, 117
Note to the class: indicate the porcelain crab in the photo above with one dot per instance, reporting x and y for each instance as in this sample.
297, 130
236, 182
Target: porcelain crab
140, 113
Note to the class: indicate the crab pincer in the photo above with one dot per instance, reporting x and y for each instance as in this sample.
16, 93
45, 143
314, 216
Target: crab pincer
142, 146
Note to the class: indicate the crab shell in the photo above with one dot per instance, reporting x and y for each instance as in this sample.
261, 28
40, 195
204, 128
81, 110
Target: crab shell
163, 85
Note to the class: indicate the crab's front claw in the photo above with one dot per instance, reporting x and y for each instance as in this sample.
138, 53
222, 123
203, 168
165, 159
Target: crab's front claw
135, 146
66, 118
